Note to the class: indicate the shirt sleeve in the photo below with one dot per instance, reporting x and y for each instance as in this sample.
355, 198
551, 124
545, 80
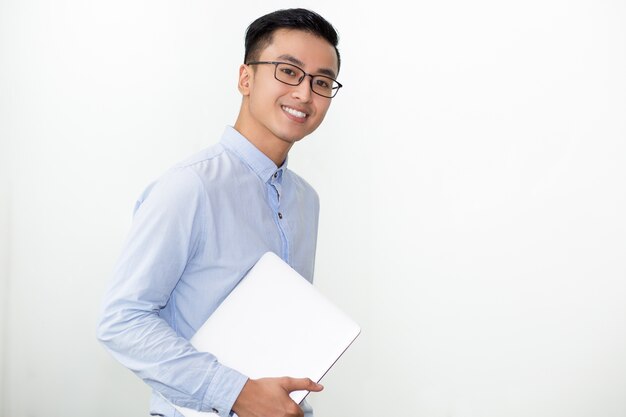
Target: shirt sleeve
167, 229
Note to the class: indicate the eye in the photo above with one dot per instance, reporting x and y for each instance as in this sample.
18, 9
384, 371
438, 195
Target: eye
322, 83
288, 71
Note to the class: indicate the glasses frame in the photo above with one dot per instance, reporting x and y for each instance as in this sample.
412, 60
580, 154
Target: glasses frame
276, 63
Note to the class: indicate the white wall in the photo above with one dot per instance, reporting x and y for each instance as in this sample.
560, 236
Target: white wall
4, 254
4, 249
4, 196
471, 175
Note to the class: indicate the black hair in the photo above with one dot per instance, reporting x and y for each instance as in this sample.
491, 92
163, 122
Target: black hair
259, 33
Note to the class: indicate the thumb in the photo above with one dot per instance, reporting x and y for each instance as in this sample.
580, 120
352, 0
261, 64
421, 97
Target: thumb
299, 384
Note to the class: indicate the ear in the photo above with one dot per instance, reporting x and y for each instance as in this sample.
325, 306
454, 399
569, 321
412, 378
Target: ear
245, 78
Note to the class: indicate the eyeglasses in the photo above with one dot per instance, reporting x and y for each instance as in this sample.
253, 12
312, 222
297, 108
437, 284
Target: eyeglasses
293, 75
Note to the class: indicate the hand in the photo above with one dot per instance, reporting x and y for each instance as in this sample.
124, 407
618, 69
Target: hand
269, 397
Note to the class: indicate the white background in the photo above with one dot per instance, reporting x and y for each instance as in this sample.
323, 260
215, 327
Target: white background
472, 178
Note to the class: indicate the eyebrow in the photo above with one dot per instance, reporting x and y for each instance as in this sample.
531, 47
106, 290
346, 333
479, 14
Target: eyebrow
322, 71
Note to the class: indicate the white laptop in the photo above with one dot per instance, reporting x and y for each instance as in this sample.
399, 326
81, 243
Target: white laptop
273, 324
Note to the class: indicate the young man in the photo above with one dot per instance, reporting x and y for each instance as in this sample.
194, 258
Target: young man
202, 225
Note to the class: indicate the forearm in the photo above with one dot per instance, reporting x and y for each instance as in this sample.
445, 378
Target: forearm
148, 346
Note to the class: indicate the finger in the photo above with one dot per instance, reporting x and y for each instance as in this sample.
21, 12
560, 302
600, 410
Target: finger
296, 411
297, 384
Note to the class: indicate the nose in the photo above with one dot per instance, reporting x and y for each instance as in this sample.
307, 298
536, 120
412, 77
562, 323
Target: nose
303, 91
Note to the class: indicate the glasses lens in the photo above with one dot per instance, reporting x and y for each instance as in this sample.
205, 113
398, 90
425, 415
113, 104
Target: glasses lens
325, 86
292, 75
289, 74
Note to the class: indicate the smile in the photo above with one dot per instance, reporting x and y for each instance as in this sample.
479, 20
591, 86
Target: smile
294, 112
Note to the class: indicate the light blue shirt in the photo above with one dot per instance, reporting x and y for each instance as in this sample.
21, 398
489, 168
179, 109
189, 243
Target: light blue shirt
196, 231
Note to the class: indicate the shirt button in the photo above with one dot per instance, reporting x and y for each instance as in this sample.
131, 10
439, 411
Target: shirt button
275, 174
280, 215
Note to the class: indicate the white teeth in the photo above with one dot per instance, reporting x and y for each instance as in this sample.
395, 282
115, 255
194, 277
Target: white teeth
294, 112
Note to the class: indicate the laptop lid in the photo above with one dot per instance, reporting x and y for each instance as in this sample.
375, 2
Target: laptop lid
273, 324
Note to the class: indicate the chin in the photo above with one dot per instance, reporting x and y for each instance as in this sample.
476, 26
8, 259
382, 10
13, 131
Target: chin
293, 137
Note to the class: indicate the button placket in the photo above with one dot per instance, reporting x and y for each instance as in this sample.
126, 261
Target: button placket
275, 183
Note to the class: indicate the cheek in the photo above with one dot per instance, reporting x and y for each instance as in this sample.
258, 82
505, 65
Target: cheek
260, 101
322, 108
265, 96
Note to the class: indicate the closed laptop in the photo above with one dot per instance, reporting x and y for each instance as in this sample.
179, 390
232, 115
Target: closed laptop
275, 323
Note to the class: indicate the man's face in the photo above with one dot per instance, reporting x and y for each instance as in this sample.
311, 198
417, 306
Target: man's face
280, 111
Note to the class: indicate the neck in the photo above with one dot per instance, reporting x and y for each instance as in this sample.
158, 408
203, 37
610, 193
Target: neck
274, 148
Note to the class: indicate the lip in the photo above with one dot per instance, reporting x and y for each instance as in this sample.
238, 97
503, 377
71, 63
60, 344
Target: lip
294, 117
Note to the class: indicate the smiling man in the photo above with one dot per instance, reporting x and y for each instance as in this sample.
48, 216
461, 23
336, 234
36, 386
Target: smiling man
200, 227
276, 115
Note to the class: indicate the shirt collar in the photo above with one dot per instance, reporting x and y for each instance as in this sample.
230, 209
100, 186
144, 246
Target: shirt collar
263, 166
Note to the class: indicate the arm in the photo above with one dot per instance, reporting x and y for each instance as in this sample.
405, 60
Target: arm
168, 227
